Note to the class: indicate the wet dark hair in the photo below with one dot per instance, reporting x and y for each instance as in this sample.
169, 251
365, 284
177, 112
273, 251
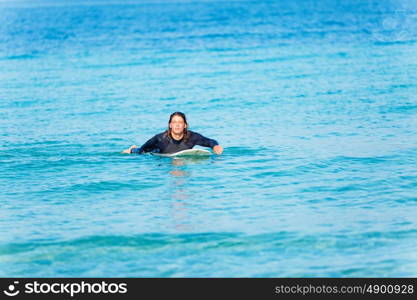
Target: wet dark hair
182, 115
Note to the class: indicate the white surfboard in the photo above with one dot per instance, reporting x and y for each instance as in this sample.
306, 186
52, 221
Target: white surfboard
188, 152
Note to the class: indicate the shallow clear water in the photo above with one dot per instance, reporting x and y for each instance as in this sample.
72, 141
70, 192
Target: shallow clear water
314, 102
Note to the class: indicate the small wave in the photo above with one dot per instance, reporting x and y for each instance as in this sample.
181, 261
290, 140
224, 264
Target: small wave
246, 151
172, 255
20, 57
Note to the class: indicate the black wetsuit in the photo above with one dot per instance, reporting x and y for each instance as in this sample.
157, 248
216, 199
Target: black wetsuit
162, 143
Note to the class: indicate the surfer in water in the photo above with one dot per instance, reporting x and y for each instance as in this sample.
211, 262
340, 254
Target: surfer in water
176, 138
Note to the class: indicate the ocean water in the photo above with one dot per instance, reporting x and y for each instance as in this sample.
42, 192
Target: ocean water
315, 103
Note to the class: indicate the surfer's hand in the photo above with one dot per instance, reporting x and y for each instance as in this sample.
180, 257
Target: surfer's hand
129, 149
218, 149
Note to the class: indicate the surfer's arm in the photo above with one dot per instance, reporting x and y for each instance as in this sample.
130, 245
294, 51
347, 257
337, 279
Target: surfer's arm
206, 142
203, 141
129, 150
149, 146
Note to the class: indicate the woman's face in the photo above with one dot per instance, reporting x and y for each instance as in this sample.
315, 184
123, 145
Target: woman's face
177, 125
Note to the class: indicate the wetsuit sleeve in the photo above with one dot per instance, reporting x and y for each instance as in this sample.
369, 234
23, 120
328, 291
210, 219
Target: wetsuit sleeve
149, 146
203, 141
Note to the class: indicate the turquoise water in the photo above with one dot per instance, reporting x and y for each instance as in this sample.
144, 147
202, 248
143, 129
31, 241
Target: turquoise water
314, 102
